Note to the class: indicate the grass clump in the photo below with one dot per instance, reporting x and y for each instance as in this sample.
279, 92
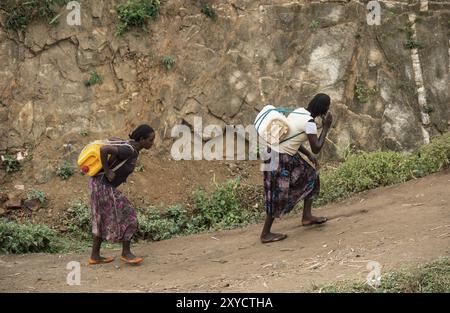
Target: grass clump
11, 164
168, 62
209, 11
363, 171
136, 13
314, 25
21, 13
37, 194
94, 79
65, 171
433, 277
26, 238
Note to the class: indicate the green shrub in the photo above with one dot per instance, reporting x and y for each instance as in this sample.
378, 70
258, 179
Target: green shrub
78, 218
139, 168
136, 13
209, 11
412, 44
94, 79
11, 164
37, 194
362, 92
26, 238
22, 13
314, 25
168, 62
65, 171
221, 209
151, 225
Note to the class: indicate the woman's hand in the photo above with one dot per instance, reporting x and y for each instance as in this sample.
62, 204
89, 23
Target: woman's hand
110, 175
313, 159
328, 120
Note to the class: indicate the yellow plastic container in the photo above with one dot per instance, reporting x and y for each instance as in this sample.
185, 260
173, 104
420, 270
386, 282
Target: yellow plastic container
89, 159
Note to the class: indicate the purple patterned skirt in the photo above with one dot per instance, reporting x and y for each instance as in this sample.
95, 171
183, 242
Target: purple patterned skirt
113, 217
293, 181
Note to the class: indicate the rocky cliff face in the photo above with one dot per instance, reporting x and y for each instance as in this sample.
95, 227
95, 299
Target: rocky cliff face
386, 93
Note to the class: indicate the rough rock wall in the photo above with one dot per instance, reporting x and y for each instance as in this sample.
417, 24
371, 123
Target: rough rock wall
282, 52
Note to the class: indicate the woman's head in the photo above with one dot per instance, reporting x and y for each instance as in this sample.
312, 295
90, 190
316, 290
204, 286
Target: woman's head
319, 105
144, 134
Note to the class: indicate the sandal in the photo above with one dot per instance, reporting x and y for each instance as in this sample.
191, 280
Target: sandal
101, 261
320, 220
134, 261
276, 237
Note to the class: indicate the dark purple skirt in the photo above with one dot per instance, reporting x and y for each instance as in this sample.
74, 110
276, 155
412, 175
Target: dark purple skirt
113, 217
293, 180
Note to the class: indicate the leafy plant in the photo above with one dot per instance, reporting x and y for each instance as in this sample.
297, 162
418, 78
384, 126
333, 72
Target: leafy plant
11, 164
26, 238
168, 62
314, 25
363, 171
362, 92
65, 171
209, 11
94, 79
412, 44
78, 219
139, 168
22, 13
136, 13
151, 225
84, 133
37, 194
428, 109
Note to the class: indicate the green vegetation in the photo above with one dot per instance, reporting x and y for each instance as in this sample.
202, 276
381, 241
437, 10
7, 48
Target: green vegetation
65, 171
428, 109
314, 25
410, 43
94, 79
363, 171
78, 220
222, 209
11, 164
25, 238
21, 13
37, 194
139, 168
168, 62
433, 277
363, 92
209, 11
136, 13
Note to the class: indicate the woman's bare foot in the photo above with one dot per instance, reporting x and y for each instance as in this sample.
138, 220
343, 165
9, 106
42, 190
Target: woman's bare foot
314, 220
271, 237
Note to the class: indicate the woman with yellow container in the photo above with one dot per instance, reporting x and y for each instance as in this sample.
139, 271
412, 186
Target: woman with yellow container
113, 217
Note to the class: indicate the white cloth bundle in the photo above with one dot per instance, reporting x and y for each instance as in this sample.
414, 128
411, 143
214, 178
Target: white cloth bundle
271, 125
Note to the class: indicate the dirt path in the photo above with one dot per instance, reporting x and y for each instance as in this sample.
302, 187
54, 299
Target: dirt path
395, 226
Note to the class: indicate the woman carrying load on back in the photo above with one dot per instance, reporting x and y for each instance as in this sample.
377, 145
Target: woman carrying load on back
113, 217
295, 179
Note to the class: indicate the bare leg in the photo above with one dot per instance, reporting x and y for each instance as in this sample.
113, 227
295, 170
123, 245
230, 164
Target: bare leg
126, 251
96, 245
266, 235
308, 218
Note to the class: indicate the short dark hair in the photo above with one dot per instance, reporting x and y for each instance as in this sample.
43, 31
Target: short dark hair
319, 105
142, 132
